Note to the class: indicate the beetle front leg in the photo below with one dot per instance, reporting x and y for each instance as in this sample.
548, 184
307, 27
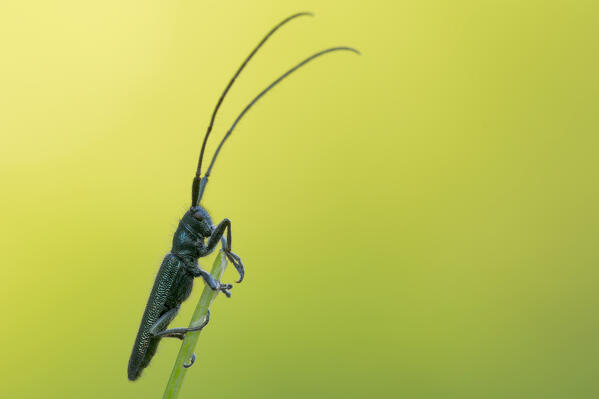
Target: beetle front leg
217, 234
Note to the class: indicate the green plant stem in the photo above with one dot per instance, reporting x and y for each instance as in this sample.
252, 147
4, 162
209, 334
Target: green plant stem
187, 347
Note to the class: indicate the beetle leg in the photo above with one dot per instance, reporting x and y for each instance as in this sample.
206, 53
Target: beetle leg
197, 271
191, 361
236, 261
178, 332
159, 327
217, 234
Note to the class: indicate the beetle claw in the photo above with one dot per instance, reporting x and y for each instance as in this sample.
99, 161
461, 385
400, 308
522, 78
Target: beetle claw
224, 288
236, 261
191, 361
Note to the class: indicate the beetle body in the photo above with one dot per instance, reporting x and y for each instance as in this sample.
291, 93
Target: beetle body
173, 284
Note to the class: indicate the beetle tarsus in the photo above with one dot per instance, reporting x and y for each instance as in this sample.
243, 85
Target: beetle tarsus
236, 261
224, 288
211, 282
191, 361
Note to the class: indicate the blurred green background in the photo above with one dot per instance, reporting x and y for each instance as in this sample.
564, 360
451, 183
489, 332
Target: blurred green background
418, 222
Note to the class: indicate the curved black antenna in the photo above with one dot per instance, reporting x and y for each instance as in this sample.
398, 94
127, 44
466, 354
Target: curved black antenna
196, 186
262, 93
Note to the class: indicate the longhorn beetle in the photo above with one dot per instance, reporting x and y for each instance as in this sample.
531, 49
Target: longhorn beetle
174, 280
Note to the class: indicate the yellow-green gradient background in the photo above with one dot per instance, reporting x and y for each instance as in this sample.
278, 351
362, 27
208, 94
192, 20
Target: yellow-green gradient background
418, 222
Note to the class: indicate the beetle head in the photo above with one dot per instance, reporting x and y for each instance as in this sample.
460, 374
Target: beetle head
199, 220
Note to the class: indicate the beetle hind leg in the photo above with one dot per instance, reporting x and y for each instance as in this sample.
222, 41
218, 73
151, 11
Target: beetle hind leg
191, 361
158, 330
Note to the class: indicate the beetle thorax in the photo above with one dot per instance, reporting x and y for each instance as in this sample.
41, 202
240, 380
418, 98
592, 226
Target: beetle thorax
193, 229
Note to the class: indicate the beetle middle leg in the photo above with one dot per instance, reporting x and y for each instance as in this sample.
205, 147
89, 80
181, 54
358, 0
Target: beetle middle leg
197, 271
158, 329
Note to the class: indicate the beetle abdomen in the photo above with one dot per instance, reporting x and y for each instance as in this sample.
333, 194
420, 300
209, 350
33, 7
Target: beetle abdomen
162, 298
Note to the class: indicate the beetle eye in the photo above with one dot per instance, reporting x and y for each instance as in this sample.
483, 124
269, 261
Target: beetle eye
198, 216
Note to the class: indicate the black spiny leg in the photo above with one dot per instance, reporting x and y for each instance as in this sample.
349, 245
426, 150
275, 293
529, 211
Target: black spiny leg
217, 234
158, 330
159, 327
191, 361
197, 271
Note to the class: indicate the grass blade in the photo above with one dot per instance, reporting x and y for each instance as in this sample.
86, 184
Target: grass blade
187, 347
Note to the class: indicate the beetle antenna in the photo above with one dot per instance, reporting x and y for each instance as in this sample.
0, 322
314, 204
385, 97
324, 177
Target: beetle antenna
197, 188
262, 93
